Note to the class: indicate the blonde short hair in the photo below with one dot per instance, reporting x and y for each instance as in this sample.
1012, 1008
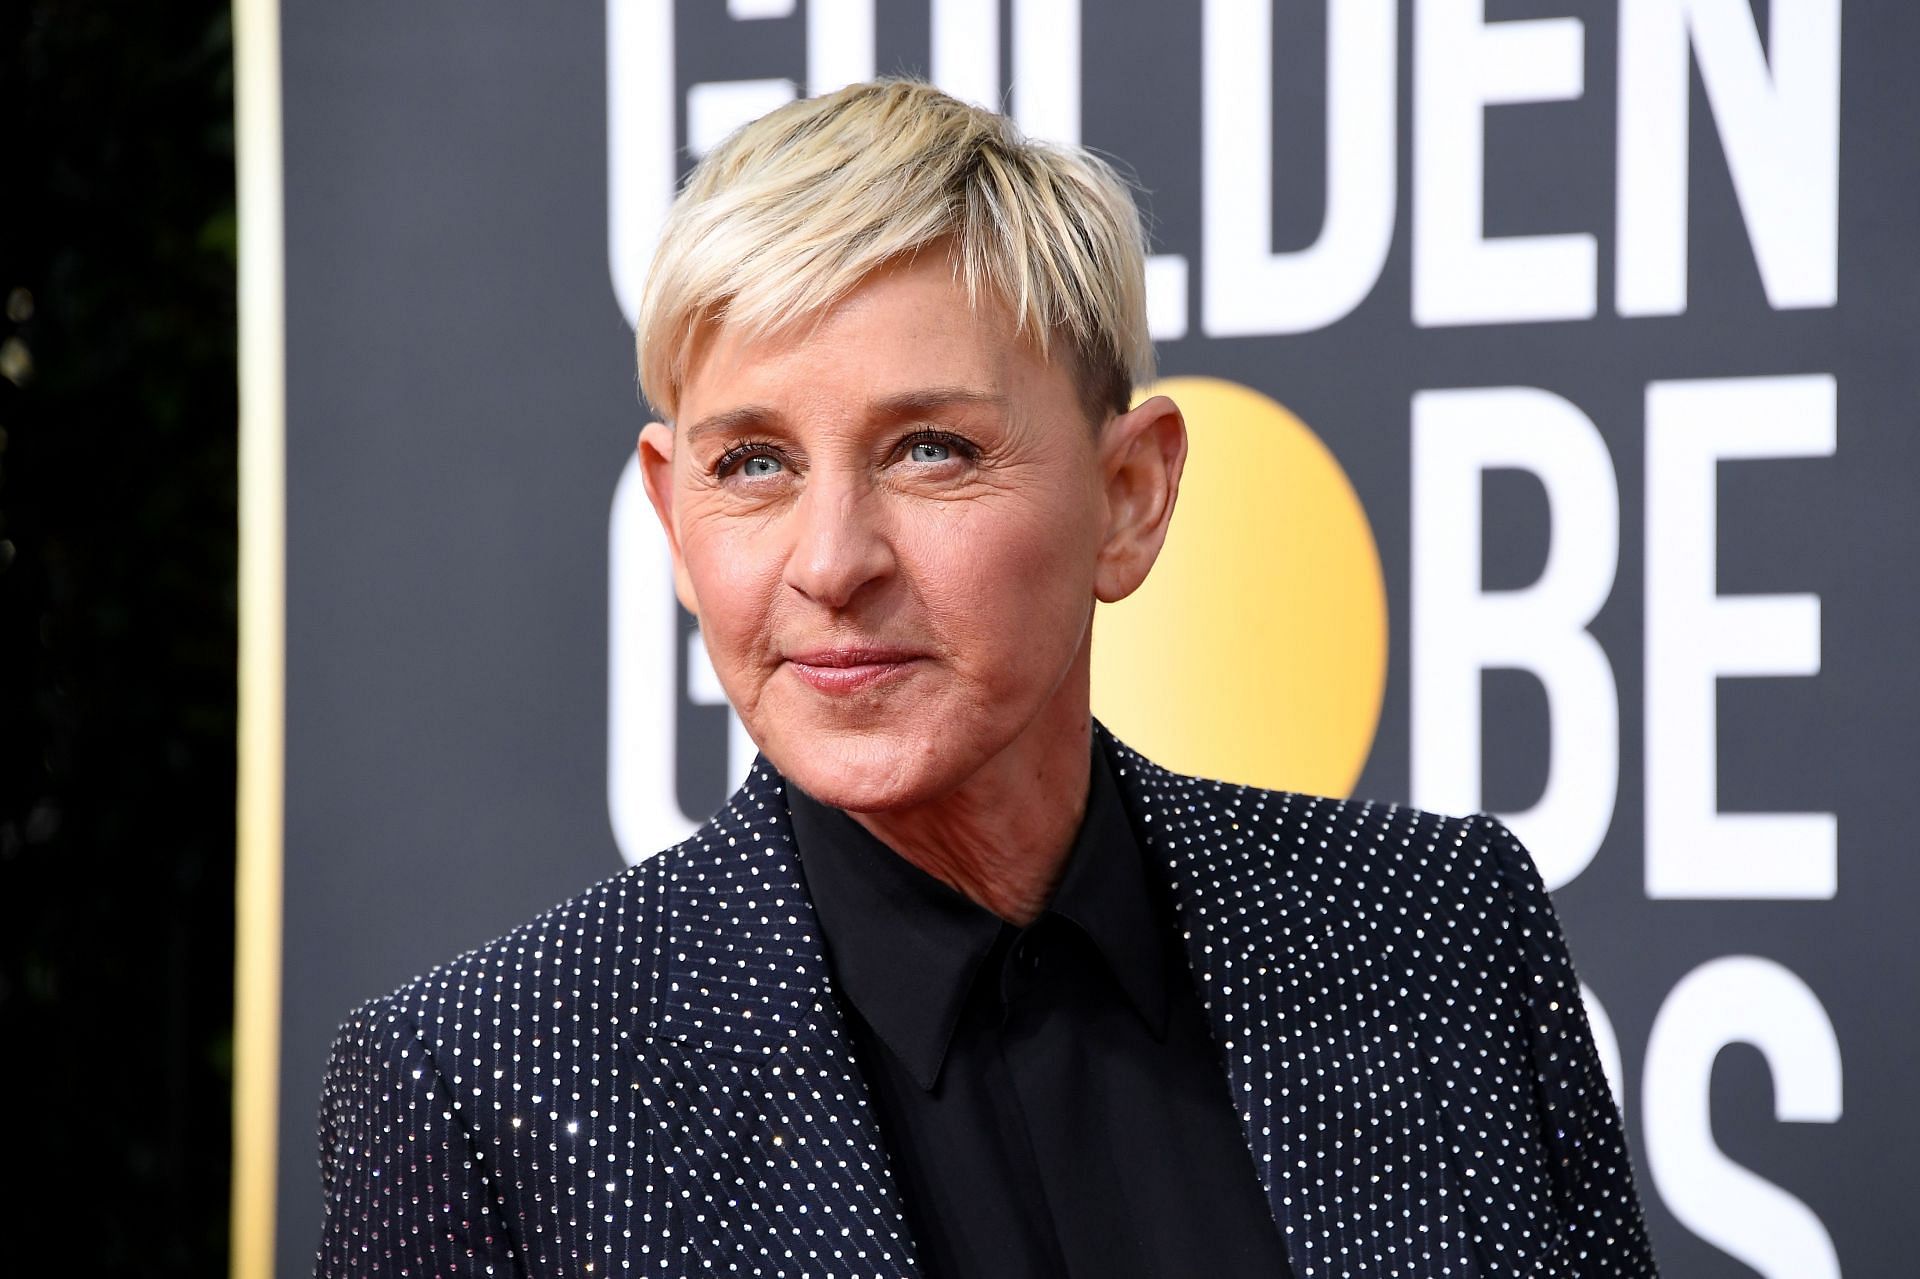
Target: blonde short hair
793, 210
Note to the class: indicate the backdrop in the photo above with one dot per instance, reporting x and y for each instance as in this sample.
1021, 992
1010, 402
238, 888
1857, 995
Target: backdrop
1551, 370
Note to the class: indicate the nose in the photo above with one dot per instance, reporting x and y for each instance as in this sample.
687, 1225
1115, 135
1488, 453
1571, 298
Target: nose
840, 543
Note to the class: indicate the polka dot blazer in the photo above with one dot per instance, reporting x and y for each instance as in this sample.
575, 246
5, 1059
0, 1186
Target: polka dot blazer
655, 1078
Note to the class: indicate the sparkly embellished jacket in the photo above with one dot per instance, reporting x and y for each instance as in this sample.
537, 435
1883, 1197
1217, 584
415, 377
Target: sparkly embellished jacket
655, 1078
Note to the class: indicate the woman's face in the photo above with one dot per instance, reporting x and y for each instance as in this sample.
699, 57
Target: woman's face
890, 525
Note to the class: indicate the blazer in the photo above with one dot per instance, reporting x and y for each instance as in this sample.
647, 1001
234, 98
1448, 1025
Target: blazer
655, 1078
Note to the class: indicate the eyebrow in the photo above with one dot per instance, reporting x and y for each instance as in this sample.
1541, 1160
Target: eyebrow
892, 407
908, 403
730, 421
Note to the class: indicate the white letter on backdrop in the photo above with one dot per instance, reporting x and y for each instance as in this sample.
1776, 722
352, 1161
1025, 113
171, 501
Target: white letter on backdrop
1248, 288
1779, 127
1462, 65
643, 621
641, 172
1694, 636
839, 44
966, 50
1739, 999
1046, 68
1460, 630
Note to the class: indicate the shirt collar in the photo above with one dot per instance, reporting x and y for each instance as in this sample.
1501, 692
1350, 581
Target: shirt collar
904, 945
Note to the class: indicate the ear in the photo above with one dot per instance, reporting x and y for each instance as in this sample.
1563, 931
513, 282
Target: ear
655, 449
1142, 453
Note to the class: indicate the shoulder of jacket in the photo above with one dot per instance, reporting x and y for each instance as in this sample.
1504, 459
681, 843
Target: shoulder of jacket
1338, 843
1191, 797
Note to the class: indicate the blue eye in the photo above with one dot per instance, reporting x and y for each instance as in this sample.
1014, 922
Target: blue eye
930, 451
760, 464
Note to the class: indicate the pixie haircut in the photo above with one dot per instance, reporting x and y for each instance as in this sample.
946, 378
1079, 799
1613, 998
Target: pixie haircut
792, 211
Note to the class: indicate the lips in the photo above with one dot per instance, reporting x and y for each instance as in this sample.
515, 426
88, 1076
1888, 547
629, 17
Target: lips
850, 669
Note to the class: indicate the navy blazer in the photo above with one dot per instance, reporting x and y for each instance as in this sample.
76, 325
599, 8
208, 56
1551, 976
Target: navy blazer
655, 1078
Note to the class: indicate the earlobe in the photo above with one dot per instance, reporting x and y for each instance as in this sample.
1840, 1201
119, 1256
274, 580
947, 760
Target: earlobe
1146, 450
655, 452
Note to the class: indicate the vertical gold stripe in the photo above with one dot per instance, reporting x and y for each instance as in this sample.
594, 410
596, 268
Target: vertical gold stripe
262, 674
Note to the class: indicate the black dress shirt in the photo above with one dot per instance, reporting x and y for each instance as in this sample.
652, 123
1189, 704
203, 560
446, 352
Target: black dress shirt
1050, 1097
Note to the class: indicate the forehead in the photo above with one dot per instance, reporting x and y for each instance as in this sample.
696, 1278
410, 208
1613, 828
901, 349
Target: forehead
907, 328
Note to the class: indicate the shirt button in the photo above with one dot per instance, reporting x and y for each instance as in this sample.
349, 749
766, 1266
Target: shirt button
1027, 955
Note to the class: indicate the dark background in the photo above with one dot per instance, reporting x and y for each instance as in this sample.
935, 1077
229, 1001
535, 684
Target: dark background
117, 639
460, 402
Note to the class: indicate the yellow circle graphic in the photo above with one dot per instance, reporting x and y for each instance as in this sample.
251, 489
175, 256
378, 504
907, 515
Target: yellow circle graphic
1256, 651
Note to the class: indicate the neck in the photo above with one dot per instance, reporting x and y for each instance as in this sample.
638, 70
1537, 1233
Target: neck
1002, 836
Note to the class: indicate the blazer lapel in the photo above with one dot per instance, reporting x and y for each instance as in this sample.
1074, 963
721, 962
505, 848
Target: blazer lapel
781, 1167
1303, 996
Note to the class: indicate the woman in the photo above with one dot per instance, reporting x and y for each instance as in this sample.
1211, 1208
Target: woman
957, 984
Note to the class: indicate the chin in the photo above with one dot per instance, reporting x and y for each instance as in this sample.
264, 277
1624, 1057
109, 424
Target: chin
866, 770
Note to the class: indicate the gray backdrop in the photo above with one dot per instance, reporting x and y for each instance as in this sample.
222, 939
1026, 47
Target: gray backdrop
461, 404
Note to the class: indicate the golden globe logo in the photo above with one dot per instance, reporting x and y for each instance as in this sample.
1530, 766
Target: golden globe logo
1256, 651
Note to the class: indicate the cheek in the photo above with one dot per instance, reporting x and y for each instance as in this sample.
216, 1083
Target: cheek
733, 574
1008, 588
